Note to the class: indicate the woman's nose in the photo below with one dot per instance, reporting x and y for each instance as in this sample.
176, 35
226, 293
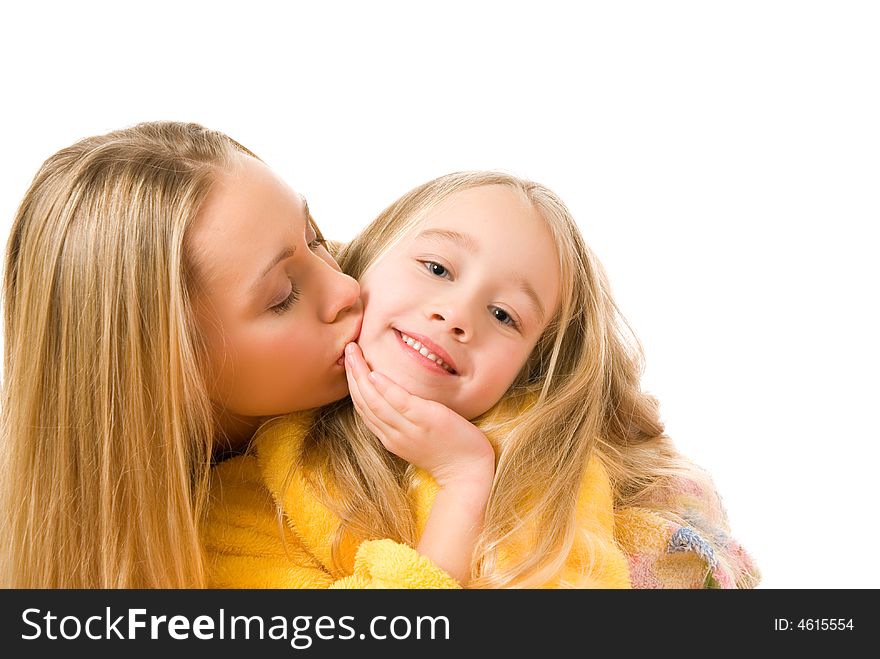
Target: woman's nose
343, 294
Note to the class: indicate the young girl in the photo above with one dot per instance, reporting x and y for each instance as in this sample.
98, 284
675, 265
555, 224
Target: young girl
482, 303
143, 336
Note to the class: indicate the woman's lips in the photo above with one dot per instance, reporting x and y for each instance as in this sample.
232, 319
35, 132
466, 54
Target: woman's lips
352, 339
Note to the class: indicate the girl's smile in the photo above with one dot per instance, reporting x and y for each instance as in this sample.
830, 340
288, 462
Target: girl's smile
427, 353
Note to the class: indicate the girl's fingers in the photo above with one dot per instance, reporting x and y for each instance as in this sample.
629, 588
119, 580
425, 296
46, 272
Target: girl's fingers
381, 410
398, 397
360, 405
387, 435
371, 426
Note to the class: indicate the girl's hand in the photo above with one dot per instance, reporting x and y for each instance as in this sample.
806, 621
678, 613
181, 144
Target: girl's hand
448, 446
425, 433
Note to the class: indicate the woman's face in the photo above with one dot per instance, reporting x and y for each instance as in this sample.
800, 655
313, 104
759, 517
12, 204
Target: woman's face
272, 304
474, 286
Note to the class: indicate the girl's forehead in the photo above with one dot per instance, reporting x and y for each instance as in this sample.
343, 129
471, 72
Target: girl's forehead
481, 216
483, 199
496, 222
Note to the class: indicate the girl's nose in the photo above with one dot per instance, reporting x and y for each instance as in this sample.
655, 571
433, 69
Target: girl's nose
455, 321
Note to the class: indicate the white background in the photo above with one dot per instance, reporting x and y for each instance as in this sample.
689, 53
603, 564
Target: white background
721, 158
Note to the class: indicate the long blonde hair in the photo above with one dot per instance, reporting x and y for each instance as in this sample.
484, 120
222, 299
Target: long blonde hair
107, 428
577, 396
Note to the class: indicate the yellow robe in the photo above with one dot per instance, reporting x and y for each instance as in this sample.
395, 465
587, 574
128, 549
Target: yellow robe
261, 534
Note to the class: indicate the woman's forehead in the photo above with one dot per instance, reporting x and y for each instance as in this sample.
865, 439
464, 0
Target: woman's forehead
249, 216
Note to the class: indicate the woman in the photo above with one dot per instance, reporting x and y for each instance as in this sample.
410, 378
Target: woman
164, 292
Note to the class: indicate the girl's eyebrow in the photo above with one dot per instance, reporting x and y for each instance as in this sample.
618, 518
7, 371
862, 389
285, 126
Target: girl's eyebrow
466, 242
469, 244
526, 288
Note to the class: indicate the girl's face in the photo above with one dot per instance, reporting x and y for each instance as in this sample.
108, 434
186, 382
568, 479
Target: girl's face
274, 307
452, 312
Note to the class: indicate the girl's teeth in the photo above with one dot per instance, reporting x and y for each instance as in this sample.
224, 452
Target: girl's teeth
422, 350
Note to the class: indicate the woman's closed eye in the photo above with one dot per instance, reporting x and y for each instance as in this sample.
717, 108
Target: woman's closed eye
287, 302
313, 244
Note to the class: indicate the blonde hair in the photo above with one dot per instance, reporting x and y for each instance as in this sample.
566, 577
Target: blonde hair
107, 428
577, 396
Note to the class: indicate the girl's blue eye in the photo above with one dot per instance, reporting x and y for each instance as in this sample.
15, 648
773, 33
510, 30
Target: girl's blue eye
503, 317
436, 269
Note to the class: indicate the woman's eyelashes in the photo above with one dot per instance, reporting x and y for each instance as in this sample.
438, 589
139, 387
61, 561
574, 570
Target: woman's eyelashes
287, 302
441, 271
295, 292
